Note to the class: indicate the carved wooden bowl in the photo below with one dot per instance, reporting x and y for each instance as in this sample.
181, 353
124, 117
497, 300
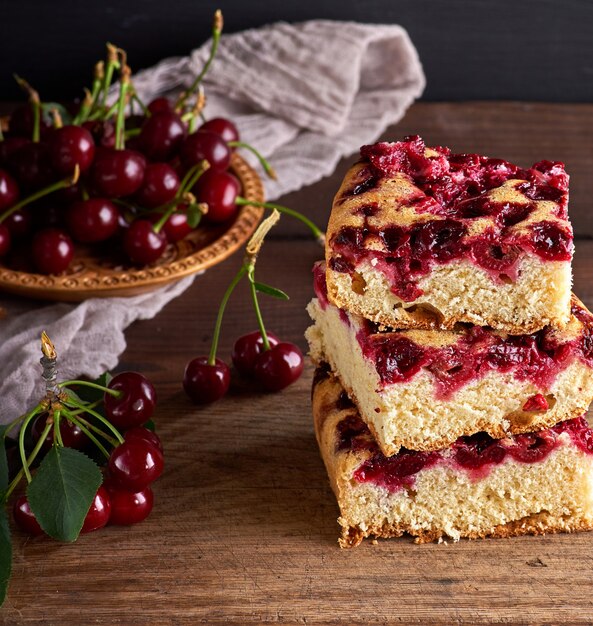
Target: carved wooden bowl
106, 273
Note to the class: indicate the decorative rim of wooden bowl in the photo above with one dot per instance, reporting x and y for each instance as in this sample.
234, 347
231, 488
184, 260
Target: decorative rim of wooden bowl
91, 276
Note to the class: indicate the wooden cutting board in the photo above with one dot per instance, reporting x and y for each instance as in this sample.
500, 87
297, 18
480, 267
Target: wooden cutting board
244, 526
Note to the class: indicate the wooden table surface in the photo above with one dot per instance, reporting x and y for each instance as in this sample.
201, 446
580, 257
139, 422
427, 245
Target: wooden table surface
244, 526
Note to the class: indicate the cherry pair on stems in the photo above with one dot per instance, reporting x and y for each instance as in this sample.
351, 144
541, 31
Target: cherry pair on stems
258, 355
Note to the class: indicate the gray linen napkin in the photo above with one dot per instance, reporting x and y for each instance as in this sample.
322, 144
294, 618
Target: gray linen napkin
305, 94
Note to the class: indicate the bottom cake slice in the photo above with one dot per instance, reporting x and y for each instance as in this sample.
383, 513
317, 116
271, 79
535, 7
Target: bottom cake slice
534, 483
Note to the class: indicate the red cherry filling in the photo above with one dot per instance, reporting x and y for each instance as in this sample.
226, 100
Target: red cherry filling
353, 434
551, 242
395, 472
396, 358
537, 402
477, 451
579, 431
532, 447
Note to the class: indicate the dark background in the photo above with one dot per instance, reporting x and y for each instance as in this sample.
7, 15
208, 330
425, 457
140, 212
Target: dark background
471, 49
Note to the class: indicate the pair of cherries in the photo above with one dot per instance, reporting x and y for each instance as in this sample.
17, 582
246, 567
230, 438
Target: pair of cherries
273, 369
126, 496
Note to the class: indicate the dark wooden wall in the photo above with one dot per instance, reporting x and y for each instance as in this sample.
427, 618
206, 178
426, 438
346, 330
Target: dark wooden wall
471, 49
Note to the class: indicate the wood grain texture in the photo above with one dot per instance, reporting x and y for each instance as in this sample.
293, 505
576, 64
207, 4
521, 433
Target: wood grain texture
244, 528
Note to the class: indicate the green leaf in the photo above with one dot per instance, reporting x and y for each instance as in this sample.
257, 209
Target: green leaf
271, 291
62, 491
194, 215
150, 425
5, 554
46, 108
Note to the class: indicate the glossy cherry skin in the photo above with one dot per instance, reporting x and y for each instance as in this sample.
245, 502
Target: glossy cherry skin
219, 190
140, 432
247, 349
19, 223
223, 127
208, 146
9, 191
117, 173
135, 464
129, 508
92, 220
205, 383
70, 146
142, 244
31, 166
160, 185
160, 105
52, 251
4, 240
72, 435
99, 513
24, 518
162, 135
136, 402
176, 227
103, 132
279, 367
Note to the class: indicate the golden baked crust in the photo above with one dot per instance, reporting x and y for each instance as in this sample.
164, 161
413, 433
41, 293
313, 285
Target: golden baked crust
330, 408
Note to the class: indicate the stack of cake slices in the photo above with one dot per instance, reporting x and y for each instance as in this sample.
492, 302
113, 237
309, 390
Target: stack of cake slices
454, 363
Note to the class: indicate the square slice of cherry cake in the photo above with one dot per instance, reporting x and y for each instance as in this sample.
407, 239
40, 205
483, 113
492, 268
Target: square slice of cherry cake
421, 237
422, 389
534, 483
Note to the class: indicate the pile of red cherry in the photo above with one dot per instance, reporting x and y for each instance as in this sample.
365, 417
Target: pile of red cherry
125, 497
84, 183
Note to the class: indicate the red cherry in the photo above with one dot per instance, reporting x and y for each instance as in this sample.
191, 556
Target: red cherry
279, 367
72, 435
140, 432
219, 190
160, 105
136, 402
117, 173
24, 518
4, 240
70, 146
223, 127
22, 121
176, 227
19, 223
205, 145
127, 507
160, 185
92, 220
135, 464
205, 383
52, 251
98, 514
246, 350
32, 167
103, 132
162, 135
9, 146
142, 244
9, 191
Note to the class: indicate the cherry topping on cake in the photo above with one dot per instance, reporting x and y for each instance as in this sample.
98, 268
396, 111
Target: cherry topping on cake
551, 242
537, 402
477, 451
353, 434
396, 357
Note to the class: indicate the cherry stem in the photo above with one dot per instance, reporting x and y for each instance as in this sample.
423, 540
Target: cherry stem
95, 429
17, 479
112, 392
258, 315
124, 85
85, 108
38, 409
227, 294
217, 25
317, 232
57, 433
112, 64
61, 184
78, 422
185, 180
189, 184
270, 171
136, 98
87, 409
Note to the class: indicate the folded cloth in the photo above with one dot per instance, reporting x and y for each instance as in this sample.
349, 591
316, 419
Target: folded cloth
305, 94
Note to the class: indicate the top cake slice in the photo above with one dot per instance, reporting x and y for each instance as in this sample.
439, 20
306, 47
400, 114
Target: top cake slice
422, 238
